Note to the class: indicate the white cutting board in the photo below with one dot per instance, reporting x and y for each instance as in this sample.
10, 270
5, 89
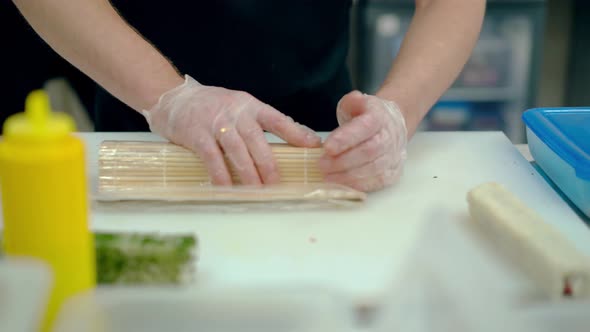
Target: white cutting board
357, 251
361, 251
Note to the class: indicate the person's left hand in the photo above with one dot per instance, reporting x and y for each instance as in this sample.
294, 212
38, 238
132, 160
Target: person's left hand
368, 150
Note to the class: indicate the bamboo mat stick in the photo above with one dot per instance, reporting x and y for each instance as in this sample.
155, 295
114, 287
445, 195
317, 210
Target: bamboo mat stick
284, 192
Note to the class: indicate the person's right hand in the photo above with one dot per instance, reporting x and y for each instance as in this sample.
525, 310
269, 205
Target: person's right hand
213, 121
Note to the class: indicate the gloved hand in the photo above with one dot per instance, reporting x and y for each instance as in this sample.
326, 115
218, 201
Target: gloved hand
213, 121
368, 150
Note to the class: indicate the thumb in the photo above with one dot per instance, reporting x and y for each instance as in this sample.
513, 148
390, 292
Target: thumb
351, 105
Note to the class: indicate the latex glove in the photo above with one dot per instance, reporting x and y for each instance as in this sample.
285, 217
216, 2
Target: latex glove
213, 121
368, 150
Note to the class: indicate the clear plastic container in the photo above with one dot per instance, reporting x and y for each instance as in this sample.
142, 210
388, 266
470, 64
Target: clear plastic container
179, 310
458, 279
563, 316
24, 290
559, 140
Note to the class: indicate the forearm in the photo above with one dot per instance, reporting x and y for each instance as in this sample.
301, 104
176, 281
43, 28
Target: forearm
92, 36
436, 47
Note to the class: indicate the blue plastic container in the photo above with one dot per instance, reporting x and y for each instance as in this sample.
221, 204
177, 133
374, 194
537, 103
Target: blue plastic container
559, 140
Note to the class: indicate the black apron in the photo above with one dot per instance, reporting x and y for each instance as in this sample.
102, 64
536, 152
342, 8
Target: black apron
289, 54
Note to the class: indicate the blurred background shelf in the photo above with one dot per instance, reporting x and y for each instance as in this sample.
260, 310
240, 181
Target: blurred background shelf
531, 53
481, 94
496, 85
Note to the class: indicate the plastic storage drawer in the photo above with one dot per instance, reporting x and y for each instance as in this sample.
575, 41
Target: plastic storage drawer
559, 140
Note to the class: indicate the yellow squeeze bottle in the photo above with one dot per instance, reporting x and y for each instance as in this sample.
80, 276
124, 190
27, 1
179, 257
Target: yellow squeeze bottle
44, 198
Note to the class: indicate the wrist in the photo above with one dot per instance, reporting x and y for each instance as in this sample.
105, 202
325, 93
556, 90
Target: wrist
161, 101
171, 100
153, 91
410, 116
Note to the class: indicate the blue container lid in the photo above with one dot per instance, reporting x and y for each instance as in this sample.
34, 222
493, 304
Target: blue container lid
566, 131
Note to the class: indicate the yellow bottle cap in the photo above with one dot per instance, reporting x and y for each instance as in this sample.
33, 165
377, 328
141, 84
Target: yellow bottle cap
38, 122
